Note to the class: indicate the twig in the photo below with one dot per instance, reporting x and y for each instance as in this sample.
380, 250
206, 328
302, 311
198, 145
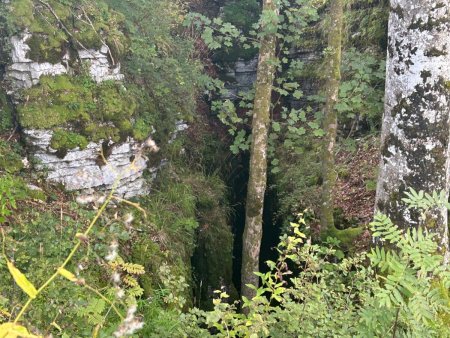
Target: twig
103, 42
395, 323
64, 26
136, 205
352, 129
12, 134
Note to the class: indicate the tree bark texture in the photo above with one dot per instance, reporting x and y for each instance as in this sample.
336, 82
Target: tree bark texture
258, 158
330, 123
416, 125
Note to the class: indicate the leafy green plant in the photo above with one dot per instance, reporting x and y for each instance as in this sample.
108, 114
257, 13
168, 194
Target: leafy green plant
404, 292
164, 73
10, 157
361, 90
12, 189
6, 114
413, 287
95, 310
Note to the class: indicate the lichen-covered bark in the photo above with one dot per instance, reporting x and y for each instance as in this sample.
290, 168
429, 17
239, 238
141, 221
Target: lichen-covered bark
333, 63
258, 158
416, 126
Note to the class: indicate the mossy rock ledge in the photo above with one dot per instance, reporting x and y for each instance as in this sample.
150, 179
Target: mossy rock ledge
80, 169
23, 72
56, 145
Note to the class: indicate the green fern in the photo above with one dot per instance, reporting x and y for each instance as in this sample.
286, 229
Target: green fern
413, 281
93, 311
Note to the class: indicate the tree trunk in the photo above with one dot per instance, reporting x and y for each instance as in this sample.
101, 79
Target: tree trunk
330, 123
415, 134
258, 156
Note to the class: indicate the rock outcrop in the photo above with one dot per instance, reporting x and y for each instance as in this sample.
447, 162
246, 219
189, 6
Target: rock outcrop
79, 169
240, 76
85, 169
24, 73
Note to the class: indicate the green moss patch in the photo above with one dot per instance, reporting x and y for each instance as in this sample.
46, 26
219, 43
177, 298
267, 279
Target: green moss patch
57, 101
94, 111
59, 26
67, 140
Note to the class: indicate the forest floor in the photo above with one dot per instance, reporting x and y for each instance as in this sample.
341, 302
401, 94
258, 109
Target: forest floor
356, 184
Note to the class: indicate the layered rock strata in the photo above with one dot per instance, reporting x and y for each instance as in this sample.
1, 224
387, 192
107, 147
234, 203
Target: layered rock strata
80, 169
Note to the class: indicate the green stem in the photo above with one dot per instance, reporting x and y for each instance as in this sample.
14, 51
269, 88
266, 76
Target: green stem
72, 253
105, 299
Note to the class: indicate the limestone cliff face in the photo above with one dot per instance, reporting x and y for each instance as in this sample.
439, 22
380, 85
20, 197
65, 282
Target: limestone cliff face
24, 73
78, 169
240, 76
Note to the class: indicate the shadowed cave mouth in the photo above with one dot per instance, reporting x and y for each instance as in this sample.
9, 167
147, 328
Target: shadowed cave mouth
237, 188
271, 228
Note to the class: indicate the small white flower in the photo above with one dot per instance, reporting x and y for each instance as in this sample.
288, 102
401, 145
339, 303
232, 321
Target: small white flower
116, 277
120, 293
128, 219
130, 324
151, 145
26, 163
112, 254
131, 311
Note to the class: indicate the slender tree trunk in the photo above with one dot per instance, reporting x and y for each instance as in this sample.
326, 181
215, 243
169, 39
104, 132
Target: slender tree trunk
330, 123
416, 125
258, 157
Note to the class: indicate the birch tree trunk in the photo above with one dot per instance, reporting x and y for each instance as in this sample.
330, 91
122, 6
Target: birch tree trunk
258, 154
330, 123
416, 127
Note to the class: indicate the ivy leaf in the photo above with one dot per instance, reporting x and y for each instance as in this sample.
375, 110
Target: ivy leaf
301, 131
288, 143
319, 133
275, 170
234, 149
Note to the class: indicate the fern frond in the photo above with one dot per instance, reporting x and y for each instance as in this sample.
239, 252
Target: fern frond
383, 228
130, 281
132, 268
136, 291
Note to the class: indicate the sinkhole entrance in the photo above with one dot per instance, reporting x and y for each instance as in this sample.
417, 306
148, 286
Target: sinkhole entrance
271, 227
217, 259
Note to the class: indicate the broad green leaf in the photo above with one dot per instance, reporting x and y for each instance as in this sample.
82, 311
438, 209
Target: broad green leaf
11, 330
297, 94
276, 127
22, 281
67, 274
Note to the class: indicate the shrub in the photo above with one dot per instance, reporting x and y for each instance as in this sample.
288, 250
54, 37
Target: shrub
314, 291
